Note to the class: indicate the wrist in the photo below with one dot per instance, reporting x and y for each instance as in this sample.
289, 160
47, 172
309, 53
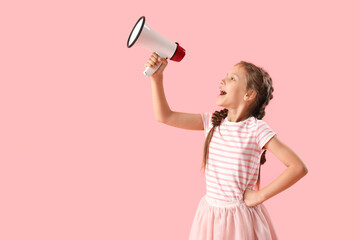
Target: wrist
262, 195
156, 78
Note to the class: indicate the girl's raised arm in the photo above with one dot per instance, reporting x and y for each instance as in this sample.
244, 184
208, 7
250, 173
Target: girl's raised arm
191, 121
162, 111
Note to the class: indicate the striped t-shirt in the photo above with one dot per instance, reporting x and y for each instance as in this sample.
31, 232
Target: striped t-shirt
234, 156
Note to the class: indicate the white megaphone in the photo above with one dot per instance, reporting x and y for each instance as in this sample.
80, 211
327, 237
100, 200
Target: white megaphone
143, 35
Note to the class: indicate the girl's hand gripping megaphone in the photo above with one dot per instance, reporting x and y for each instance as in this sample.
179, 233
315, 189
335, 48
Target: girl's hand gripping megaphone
142, 34
149, 71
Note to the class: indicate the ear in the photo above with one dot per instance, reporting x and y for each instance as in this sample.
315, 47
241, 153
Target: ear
250, 95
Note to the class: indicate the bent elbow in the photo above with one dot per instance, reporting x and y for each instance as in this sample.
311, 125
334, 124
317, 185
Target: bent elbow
305, 170
160, 120
300, 169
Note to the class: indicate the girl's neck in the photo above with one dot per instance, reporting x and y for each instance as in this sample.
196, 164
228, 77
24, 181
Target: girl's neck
237, 116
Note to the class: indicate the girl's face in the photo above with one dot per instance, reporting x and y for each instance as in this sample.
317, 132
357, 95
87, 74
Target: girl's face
233, 91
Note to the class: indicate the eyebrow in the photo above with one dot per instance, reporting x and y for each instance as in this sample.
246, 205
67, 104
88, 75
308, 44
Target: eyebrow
234, 74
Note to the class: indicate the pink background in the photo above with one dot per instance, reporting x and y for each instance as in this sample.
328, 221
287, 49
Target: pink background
82, 157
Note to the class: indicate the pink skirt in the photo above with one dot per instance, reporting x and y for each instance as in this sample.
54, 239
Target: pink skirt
231, 221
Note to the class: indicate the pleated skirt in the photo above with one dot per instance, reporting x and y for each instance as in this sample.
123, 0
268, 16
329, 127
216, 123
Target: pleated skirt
231, 221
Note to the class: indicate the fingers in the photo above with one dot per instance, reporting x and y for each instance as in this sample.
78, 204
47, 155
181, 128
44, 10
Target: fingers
155, 60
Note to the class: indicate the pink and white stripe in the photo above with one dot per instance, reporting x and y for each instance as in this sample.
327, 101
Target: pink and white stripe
234, 156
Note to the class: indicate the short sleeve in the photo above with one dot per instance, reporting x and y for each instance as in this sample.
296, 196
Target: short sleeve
264, 133
206, 117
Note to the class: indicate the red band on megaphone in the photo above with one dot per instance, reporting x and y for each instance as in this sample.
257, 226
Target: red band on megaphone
179, 53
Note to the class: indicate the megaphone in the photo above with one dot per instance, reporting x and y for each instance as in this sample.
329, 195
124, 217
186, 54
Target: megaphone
143, 35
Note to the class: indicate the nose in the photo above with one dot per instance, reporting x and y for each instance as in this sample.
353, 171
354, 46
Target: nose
222, 81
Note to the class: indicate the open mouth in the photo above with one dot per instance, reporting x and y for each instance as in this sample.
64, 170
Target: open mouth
222, 92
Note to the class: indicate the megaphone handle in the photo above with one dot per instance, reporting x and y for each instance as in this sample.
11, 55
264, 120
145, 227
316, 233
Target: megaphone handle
149, 71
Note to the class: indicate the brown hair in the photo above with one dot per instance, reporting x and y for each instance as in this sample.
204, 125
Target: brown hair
260, 81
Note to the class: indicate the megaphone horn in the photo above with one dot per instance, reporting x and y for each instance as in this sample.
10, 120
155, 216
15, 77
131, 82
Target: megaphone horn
143, 35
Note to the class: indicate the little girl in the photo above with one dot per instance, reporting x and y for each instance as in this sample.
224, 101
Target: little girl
234, 149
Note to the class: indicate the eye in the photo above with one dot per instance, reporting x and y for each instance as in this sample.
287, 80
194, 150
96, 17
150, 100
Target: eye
232, 78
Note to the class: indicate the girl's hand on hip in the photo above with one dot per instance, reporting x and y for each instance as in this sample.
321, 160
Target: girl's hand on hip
252, 198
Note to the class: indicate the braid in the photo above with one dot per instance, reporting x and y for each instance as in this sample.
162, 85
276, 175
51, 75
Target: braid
265, 95
218, 116
216, 119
